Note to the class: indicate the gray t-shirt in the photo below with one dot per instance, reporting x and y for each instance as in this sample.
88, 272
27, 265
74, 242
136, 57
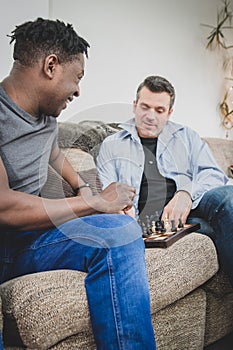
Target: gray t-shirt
26, 143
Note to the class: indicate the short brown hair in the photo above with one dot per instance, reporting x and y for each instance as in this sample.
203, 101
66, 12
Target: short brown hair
158, 84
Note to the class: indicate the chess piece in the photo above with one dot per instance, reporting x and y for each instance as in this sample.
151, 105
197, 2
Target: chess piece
173, 226
158, 226
144, 230
167, 225
163, 228
154, 227
180, 225
148, 225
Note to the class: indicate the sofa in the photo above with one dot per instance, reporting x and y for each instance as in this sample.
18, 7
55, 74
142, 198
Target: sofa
191, 297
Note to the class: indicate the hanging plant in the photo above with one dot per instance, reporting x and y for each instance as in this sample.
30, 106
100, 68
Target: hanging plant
218, 39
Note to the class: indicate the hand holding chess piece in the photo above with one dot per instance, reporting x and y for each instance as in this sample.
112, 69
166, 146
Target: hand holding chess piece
178, 208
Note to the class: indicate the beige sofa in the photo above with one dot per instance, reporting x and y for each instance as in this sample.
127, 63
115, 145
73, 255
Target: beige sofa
191, 300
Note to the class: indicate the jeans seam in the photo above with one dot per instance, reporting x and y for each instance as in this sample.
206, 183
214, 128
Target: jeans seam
75, 238
116, 313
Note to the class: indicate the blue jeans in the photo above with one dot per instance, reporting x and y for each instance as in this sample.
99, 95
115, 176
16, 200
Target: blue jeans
216, 213
1, 343
110, 249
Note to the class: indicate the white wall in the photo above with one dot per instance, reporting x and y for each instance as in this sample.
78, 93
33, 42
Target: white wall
131, 39
15, 12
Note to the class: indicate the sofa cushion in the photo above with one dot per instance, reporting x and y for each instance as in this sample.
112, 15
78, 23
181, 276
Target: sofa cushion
79, 159
80, 341
181, 325
45, 308
176, 271
219, 318
56, 187
222, 151
86, 135
219, 285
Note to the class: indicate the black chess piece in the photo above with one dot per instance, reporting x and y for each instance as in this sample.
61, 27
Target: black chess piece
163, 229
145, 226
158, 226
144, 230
148, 225
180, 225
173, 227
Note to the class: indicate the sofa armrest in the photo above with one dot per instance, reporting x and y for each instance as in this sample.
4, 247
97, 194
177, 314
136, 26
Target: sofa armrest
44, 308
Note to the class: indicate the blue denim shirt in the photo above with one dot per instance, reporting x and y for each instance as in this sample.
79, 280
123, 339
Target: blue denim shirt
181, 155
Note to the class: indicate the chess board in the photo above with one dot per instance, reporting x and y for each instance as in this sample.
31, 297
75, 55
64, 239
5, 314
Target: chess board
164, 240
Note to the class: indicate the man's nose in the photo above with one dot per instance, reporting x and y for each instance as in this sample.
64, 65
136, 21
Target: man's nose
77, 93
151, 114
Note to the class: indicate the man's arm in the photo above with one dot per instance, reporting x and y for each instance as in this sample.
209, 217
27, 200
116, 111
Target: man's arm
59, 162
21, 211
203, 175
105, 163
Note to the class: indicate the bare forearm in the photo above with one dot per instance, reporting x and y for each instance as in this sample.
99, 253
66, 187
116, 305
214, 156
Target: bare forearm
59, 162
24, 212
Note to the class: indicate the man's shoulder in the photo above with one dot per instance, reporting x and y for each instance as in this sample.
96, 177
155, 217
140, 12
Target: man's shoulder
178, 134
128, 130
174, 128
116, 136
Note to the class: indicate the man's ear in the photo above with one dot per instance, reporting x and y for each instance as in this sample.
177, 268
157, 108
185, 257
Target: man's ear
170, 112
134, 105
50, 64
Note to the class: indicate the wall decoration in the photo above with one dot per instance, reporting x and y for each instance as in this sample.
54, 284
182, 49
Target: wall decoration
220, 37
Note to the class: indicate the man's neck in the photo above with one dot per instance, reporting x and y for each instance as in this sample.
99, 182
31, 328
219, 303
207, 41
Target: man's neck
20, 92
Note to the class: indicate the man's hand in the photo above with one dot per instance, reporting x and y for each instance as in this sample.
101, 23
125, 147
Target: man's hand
85, 192
130, 212
115, 198
178, 208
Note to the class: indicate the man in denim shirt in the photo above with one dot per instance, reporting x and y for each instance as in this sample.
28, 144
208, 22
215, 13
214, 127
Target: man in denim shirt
172, 169
86, 232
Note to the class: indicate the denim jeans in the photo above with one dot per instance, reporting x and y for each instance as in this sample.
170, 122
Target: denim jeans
110, 249
216, 213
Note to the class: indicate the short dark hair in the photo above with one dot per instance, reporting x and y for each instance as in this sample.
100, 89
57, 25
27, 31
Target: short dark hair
39, 38
158, 84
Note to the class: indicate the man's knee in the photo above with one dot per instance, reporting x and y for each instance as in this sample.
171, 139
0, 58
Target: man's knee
103, 230
114, 229
219, 195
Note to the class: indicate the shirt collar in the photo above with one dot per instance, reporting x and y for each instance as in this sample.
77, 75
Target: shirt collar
129, 127
167, 133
